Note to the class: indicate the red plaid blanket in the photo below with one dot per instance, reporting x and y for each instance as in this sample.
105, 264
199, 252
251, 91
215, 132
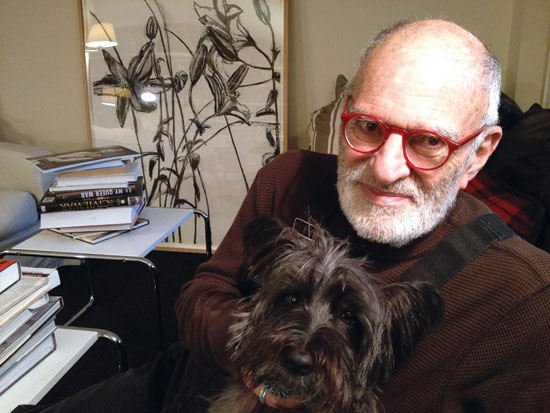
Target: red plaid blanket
522, 213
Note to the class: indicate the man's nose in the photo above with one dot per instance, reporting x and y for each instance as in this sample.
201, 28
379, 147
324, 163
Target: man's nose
389, 163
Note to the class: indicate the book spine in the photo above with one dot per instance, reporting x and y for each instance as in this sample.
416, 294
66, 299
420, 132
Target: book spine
133, 189
91, 204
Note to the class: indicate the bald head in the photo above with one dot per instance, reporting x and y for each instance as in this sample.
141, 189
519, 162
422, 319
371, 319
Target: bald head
443, 55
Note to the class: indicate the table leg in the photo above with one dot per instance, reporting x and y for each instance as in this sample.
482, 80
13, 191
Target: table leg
114, 338
91, 299
157, 298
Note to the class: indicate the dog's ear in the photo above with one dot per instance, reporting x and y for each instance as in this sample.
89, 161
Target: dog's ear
260, 236
261, 231
412, 308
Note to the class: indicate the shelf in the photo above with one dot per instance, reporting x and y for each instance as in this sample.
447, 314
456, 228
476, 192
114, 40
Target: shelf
72, 343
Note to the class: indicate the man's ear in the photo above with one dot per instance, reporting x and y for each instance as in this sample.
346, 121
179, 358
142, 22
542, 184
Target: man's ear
487, 147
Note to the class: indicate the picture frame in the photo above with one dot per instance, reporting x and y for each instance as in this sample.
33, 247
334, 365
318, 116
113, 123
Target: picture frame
199, 88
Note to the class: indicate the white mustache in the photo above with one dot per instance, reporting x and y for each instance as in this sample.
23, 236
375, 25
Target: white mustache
406, 187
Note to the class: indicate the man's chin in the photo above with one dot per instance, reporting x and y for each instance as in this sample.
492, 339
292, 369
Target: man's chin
396, 225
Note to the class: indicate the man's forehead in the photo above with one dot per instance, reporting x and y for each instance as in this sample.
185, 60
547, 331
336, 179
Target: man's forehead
424, 82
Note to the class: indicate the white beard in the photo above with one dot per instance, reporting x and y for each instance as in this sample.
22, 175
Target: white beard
396, 226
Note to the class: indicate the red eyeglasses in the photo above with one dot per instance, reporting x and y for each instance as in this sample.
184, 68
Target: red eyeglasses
422, 149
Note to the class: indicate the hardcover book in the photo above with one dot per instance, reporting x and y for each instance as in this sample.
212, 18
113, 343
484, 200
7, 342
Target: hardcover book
49, 204
92, 199
100, 216
43, 333
38, 318
10, 272
82, 158
135, 188
97, 228
27, 362
27, 292
11, 326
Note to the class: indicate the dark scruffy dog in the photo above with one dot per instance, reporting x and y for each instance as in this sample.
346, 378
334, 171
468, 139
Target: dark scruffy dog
314, 323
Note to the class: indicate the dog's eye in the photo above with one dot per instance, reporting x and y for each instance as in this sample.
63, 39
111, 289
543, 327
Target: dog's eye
291, 299
347, 317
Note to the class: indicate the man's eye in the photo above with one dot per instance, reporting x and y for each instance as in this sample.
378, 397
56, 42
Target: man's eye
368, 125
426, 144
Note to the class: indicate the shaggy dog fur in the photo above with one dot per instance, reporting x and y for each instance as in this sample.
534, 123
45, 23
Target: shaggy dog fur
314, 323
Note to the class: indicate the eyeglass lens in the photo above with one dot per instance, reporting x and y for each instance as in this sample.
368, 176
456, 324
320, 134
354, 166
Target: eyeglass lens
423, 150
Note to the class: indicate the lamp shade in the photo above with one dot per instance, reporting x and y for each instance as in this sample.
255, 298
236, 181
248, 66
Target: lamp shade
101, 35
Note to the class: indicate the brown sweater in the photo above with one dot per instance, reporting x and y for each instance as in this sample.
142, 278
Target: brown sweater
492, 350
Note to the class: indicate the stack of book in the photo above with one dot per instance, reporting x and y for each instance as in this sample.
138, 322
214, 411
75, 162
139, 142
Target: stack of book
97, 194
27, 318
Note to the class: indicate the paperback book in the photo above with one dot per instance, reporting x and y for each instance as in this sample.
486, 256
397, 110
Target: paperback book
106, 176
94, 237
84, 158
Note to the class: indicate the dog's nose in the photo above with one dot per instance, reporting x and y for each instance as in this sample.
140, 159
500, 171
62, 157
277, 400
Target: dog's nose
298, 362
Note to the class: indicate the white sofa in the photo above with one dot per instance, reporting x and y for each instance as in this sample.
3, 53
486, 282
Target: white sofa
21, 186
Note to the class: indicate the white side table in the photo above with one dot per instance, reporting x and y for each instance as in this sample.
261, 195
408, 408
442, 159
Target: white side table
130, 246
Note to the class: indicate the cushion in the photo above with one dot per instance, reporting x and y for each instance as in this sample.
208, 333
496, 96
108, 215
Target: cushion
19, 217
324, 125
522, 159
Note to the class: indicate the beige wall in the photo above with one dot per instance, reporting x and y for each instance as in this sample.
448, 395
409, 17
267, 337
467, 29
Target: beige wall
41, 77
42, 98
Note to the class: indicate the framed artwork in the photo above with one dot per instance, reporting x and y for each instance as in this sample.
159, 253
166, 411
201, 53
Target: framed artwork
198, 88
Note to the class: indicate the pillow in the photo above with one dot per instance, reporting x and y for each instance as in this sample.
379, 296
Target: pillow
324, 125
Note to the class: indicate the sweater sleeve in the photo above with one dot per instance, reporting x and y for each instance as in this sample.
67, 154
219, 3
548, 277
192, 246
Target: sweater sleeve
205, 305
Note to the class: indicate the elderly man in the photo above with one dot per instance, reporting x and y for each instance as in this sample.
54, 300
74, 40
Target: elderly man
420, 121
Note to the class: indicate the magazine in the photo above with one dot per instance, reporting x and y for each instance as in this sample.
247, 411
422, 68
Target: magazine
85, 158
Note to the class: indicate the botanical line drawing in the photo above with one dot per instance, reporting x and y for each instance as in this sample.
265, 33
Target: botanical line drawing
197, 103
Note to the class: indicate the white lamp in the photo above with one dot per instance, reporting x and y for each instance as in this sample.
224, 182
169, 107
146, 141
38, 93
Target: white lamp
101, 35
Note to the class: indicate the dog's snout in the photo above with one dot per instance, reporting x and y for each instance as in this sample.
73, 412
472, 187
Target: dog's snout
297, 361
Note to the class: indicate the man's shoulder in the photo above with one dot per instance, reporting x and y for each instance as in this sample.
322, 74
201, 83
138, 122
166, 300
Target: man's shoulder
525, 255
303, 163
301, 157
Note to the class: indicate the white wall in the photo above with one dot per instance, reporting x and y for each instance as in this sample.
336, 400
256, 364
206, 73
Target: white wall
42, 97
